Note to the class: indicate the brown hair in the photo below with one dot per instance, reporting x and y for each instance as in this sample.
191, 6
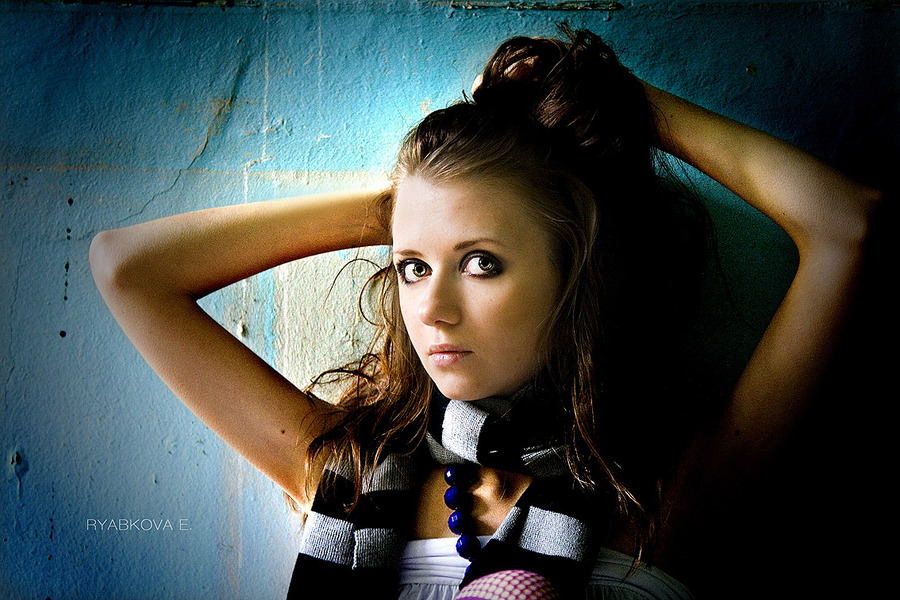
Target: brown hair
569, 127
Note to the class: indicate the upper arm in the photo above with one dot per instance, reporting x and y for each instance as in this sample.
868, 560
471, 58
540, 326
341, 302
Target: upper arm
826, 215
784, 371
790, 359
232, 390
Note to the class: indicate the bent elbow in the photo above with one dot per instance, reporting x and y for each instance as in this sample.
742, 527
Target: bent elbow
100, 259
108, 261
873, 200
858, 225
846, 227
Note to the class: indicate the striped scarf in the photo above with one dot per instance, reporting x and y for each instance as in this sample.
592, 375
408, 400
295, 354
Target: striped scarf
552, 530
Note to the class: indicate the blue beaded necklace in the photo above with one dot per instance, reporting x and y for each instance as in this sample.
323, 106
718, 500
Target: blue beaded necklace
460, 478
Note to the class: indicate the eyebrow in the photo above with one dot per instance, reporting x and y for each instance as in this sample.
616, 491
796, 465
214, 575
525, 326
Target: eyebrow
477, 242
459, 246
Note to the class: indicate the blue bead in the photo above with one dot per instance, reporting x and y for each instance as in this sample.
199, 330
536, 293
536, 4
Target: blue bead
456, 522
451, 475
468, 546
452, 497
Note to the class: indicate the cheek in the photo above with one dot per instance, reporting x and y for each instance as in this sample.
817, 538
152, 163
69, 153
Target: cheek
407, 312
532, 306
415, 330
518, 318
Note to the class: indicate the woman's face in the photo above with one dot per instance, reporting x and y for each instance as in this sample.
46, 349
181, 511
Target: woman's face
476, 283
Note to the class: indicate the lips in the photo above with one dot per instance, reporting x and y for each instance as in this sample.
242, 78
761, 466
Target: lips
445, 355
443, 348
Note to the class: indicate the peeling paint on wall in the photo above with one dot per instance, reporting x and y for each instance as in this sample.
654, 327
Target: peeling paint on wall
559, 5
17, 466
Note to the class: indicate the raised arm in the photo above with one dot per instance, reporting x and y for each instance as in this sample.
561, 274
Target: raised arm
151, 276
826, 215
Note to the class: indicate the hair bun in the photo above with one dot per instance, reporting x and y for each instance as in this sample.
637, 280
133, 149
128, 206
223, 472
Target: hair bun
575, 88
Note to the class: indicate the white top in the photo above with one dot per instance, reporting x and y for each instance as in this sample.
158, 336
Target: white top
431, 570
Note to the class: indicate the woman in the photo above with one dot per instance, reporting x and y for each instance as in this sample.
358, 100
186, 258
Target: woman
539, 268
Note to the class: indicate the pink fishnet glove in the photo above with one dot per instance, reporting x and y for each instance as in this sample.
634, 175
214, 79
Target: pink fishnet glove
509, 585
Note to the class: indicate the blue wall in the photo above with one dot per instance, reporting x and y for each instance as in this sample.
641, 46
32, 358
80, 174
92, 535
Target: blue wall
114, 114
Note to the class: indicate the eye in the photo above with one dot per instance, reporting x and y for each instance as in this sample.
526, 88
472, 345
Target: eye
411, 271
482, 265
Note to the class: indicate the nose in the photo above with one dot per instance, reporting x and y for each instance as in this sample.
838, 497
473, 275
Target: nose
439, 302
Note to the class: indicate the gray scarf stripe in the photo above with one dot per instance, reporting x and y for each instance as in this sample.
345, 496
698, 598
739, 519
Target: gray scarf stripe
462, 428
328, 539
396, 472
376, 547
441, 455
545, 531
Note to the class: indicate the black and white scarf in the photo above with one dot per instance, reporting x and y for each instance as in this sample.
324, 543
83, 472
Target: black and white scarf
555, 529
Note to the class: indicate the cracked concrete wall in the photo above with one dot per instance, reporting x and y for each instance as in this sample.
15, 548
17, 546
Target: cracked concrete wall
112, 114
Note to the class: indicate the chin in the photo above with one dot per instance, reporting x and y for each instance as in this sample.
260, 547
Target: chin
454, 393
466, 391
458, 390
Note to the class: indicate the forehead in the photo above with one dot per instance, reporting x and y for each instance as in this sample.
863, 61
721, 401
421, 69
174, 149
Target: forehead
425, 212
